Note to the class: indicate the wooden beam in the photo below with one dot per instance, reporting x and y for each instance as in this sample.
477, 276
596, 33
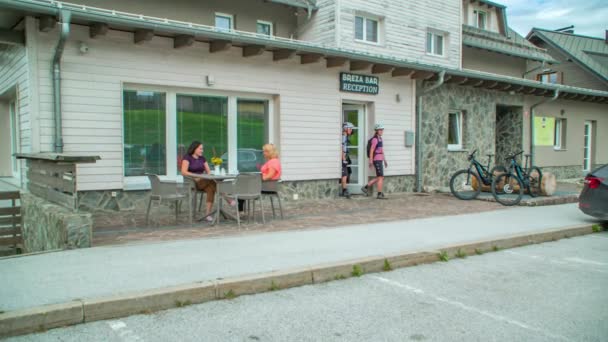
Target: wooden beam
401, 72
278, 55
419, 74
98, 29
46, 23
308, 58
506, 87
490, 85
142, 35
457, 79
480, 84
572, 96
358, 65
530, 90
182, 40
381, 68
332, 62
219, 45
253, 50
471, 82
11, 37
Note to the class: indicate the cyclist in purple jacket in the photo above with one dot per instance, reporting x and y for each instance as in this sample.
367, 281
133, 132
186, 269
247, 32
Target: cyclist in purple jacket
378, 161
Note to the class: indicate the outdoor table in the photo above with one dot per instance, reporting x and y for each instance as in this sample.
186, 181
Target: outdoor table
217, 179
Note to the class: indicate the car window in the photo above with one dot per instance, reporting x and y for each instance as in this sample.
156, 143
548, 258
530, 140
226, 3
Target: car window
601, 172
245, 156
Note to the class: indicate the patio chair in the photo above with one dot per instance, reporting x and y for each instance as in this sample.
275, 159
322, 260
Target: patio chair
271, 189
248, 187
191, 184
169, 191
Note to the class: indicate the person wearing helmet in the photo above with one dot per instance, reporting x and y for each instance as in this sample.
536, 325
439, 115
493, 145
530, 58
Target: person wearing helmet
378, 161
347, 131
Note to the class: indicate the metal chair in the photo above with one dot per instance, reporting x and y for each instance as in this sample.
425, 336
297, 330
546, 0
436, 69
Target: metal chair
169, 191
271, 189
248, 187
191, 184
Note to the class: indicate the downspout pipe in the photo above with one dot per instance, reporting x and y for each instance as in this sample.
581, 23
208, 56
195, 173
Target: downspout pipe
64, 19
419, 96
532, 133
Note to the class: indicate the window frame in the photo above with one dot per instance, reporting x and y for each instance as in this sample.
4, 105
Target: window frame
264, 22
365, 38
171, 93
477, 13
432, 35
559, 134
225, 16
460, 117
540, 76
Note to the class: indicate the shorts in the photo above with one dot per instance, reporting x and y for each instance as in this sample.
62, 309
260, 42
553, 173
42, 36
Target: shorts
345, 170
379, 166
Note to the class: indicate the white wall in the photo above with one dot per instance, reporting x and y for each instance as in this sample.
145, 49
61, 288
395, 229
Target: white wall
308, 96
321, 27
492, 62
404, 26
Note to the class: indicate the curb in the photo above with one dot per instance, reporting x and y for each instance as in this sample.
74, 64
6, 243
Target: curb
45, 317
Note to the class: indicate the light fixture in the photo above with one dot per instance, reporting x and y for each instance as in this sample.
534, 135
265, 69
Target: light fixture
83, 48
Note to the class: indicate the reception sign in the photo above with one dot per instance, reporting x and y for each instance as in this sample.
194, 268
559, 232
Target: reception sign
354, 83
544, 129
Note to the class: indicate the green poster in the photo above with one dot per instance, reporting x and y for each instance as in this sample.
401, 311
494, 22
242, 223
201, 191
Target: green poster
544, 128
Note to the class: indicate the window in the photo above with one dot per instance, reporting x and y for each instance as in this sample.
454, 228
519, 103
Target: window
14, 137
366, 29
455, 130
202, 118
224, 22
264, 28
434, 43
480, 18
252, 133
144, 132
549, 77
559, 136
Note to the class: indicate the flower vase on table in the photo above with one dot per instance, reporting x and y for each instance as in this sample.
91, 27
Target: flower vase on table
217, 163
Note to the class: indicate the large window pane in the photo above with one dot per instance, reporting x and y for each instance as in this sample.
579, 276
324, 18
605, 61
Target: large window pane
144, 132
438, 45
223, 22
264, 28
359, 28
202, 118
252, 134
454, 129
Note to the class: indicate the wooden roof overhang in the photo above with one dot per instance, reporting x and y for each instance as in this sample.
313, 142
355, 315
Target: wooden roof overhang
184, 34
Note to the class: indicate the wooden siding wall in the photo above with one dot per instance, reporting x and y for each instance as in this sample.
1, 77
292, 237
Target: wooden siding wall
403, 28
492, 62
321, 27
574, 74
246, 12
308, 96
14, 76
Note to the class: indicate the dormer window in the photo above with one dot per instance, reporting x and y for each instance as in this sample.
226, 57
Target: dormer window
224, 22
480, 19
264, 28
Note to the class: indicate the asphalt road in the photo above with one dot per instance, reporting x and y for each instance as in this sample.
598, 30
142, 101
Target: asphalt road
555, 291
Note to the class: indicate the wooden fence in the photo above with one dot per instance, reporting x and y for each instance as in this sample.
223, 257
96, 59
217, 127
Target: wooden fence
10, 220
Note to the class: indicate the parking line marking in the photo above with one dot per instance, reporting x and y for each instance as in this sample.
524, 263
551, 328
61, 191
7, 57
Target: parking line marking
586, 261
472, 309
125, 334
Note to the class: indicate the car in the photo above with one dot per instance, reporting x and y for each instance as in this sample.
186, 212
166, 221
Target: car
249, 159
593, 200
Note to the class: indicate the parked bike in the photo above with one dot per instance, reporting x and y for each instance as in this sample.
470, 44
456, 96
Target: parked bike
466, 184
508, 188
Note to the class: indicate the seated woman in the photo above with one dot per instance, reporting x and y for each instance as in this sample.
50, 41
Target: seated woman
271, 170
195, 164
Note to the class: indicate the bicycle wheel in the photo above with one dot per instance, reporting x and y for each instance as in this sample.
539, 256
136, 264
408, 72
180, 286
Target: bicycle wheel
535, 177
465, 184
507, 189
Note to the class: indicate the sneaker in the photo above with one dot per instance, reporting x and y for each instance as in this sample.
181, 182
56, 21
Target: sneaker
345, 193
232, 203
364, 190
209, 219
381, 196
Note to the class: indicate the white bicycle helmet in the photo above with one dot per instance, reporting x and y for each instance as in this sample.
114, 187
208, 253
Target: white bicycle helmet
378, 126
347, 125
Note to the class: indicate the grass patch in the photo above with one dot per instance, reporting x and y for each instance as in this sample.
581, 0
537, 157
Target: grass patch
597, 228
273, 286
461, 254
340, 277
179, 303
478, 251
230, 295
387, 266
357, 271
495, 248
443, 256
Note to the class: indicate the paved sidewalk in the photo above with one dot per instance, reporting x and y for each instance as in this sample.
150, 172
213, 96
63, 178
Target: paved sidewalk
100, 271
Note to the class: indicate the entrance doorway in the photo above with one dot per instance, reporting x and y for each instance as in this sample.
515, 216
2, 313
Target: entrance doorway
509, 132
355, 114
588, 147
9, 139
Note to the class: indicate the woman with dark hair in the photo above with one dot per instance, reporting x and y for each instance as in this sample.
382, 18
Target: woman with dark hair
195, 164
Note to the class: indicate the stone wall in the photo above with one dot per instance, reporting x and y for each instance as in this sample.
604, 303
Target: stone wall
479, 107
567, 172
47, 226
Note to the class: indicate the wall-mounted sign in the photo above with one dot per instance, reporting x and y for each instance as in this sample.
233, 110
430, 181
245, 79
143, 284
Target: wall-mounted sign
354, 83
544, 127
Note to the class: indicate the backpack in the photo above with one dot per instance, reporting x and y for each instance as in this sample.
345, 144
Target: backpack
369, 146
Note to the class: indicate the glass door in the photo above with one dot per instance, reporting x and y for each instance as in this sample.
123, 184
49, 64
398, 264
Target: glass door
355, 114
587, 147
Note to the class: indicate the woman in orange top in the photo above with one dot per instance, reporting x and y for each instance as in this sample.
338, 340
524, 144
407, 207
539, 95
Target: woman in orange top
271, 170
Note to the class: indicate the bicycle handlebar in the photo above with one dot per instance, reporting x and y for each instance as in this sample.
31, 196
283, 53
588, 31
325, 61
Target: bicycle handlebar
472, 155
513, 156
